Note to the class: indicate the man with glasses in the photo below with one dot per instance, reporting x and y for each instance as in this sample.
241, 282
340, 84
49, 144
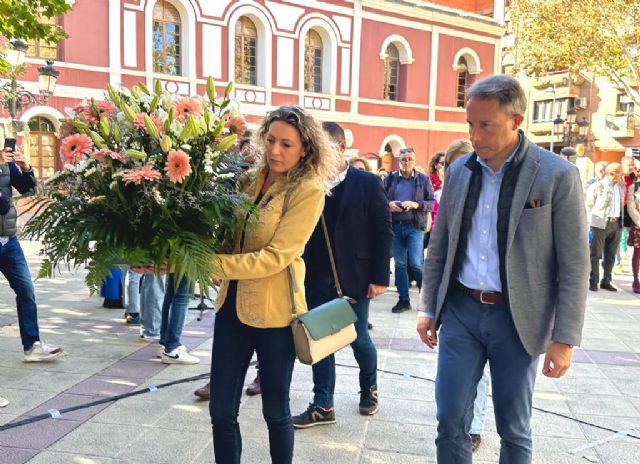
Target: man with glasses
410, 196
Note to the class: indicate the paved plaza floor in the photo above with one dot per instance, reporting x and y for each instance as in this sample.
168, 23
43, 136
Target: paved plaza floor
103, 357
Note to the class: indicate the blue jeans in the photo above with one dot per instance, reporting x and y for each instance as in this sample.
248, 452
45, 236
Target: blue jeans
480, 404
133, 292
407, 249
14, 267
233, 346
174, 311
471, 334
152, 292
319, 290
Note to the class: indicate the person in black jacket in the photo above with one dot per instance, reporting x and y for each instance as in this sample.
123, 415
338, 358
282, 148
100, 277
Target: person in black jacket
359, 226
16, 173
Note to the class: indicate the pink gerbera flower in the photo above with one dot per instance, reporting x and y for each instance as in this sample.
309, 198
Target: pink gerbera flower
74, 148
236, 124
101, 155
177, 166
138, 122
186, 107
86, 111
136, 176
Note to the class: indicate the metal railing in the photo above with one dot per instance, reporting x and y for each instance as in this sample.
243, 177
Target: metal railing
619, 122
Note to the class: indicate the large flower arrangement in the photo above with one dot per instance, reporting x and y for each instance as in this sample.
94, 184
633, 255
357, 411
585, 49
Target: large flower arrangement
148, 178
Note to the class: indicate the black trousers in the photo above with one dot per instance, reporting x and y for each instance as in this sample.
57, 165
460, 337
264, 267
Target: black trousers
604, 244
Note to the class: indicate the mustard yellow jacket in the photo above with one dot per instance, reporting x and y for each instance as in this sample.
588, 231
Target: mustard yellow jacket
271, 243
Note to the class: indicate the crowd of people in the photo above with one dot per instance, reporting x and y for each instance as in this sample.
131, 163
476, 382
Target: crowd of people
504, 225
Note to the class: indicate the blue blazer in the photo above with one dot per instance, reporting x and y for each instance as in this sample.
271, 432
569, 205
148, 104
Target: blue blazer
363, 235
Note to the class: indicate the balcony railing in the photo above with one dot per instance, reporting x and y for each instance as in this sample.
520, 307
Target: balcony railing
620, 125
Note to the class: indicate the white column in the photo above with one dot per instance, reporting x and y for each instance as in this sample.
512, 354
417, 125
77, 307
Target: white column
498, 10
433, 74
115, 35
355, 50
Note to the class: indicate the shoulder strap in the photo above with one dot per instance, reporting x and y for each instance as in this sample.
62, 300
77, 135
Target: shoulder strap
292, 300
333, 263
294, 314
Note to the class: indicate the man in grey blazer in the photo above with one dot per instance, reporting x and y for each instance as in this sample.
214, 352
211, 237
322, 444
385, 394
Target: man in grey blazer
505, 277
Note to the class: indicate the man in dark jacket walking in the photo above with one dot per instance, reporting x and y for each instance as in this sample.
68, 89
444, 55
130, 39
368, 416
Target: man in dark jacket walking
359, 229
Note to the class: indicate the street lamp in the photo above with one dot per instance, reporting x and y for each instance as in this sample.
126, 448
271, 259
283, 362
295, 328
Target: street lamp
569, 137
556, 128
15, 97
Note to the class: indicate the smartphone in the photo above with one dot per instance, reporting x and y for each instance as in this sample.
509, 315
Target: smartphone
399, 205
10, 144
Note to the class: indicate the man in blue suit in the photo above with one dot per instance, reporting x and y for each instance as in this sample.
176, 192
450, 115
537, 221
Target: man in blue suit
359, 226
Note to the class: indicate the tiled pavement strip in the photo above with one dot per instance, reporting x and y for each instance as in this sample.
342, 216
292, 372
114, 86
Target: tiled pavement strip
104, 358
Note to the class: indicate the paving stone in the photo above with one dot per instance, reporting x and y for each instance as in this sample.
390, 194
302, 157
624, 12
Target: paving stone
16, 455
602, 405
52, 457
66, 400
381, 457
99, 439
156, 445
401, 438
100, 385
38, 435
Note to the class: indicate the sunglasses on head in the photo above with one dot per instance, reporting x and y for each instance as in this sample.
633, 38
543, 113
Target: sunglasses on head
406, 150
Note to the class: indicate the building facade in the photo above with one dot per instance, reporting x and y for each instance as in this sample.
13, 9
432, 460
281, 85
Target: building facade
394, 73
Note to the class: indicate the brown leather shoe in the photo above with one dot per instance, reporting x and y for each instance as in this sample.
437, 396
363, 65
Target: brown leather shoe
254, 387
203, 392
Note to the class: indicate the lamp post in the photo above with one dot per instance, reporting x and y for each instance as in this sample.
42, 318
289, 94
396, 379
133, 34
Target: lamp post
553, 111
569, 137
15, 96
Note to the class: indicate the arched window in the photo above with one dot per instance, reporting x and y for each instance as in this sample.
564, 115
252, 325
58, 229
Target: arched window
43, 147
246, 47
462, 82
313, 62
391, 73
167, 35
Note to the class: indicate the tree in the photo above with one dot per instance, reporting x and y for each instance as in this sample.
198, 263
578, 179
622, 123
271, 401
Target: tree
20, 19
600, 37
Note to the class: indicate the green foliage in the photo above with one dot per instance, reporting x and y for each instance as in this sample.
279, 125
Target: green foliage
20, 19
600, 37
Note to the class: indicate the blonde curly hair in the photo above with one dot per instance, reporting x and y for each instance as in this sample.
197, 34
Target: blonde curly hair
321, 158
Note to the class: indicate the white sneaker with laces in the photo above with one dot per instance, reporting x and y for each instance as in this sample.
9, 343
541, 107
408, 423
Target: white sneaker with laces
42, 352
179, 356
149, 338
3, 402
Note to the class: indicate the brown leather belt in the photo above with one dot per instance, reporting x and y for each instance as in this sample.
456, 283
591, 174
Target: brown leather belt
484, 297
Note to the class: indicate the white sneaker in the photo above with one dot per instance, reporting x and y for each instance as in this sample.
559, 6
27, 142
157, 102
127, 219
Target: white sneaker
179, 356
42, 352
3, 402
150, 338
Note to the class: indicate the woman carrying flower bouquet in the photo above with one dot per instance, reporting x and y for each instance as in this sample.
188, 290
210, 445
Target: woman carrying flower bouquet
298, 161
